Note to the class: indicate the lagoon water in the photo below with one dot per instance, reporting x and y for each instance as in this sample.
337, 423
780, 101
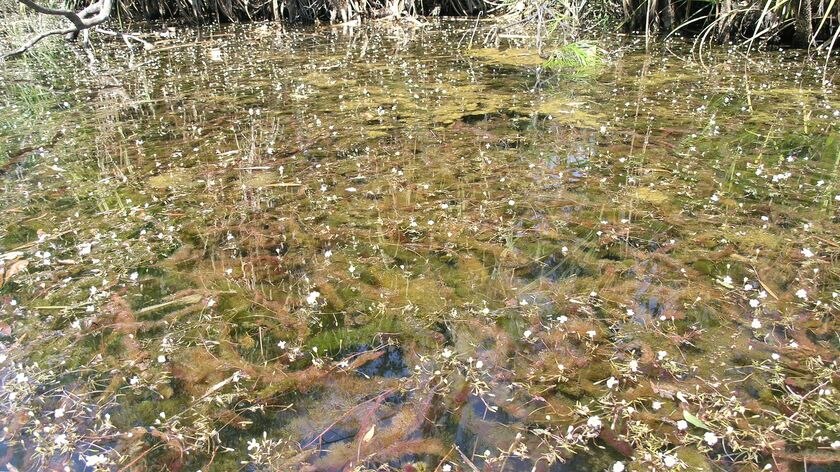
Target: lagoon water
328, 249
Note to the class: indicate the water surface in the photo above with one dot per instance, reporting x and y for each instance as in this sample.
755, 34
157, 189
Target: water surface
328, 250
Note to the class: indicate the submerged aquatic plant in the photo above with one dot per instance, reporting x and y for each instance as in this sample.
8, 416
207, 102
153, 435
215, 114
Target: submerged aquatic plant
388, 255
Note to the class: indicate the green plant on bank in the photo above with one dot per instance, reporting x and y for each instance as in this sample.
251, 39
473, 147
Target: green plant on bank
579, 58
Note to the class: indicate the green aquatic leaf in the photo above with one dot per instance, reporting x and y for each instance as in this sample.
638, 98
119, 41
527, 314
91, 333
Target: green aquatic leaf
694, 420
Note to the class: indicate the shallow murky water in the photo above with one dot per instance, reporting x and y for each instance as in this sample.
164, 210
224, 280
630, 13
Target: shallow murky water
317, 250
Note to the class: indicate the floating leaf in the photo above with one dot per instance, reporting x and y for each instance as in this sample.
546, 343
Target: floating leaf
694, 420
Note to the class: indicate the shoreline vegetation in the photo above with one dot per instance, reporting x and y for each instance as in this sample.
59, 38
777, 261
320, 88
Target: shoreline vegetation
811, 24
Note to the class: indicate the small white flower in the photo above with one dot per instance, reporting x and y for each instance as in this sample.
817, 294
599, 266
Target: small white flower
446, 468
661, 355
835, 445
95, 460
682, 425
591, 333
669, 460
727, 280
511, 202
61, 440
755, 303
253, 444
633, 365
161, 359
611, 382
710, 438
327, 254
133, 276
618, 467
447, 353
775, 356
801, 293
312, 298
594, 422
656, 406
756, 324
59, 412
527, 334
134, 380
807, 252
479, 364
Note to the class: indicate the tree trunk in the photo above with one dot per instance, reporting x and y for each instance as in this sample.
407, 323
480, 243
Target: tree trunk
803, 29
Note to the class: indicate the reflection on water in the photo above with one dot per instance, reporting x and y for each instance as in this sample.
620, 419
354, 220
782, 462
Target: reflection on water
315, 250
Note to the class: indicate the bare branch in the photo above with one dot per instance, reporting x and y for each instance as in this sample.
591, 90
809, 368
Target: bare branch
35, 40
70, 15
93, 15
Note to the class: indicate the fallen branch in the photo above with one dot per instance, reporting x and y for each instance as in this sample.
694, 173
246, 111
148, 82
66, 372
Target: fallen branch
89, 17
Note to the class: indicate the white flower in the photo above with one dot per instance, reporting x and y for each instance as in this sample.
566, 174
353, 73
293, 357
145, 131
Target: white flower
59, 412
594, 422
446, 353
134, 276
95, 460
161, 359
61, 440
835, 445
527, 334
801, 293
84, 249
656, 406
327, 254
611, 382
775, 356
312, 298
479, 364
710, 438
253, 444
661, 355
446, 468
682, 425
727, 280
618, 467
669, 460
755, 303
756, 324
807, 252
633, 365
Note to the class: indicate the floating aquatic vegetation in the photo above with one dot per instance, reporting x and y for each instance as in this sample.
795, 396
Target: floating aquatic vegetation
362, 252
